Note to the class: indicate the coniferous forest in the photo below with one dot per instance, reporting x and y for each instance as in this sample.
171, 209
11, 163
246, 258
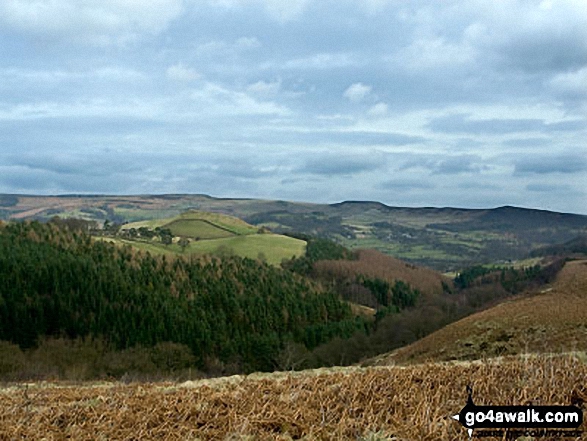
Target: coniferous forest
72, 306
59, 282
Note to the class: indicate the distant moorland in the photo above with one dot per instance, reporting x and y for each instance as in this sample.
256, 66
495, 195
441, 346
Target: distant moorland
445, 239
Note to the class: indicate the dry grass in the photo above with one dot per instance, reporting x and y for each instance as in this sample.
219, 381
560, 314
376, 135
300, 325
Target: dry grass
554, 320
401, 403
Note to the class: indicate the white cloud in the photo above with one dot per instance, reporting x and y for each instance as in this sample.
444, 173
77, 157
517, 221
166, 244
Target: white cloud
215, 99
551, 35
357, 92
285, 10
264, 88
247, 43
178, 72
319, 61
221, 48
280, 10
95, 21
117, 73
375, 6
449, 81
96, 108
571, 82
433, 53
379, 109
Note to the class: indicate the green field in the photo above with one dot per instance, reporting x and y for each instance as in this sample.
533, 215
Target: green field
156, 248
196, 228
273, 247
214, 233
198, 224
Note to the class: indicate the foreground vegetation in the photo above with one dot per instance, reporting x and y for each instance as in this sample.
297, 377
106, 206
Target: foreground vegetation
392, 403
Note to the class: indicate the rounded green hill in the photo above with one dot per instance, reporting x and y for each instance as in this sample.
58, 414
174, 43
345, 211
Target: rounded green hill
216, 233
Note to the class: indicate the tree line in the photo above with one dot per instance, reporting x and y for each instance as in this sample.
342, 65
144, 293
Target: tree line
56, 281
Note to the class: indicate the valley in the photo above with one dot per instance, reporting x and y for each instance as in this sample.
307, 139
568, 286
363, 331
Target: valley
190, 317
445, 239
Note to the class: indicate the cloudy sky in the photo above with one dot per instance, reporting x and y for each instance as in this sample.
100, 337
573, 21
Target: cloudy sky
470, 103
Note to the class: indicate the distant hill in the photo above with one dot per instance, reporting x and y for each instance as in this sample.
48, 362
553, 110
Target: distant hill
210, 233
441, 238
578, 245
552, 320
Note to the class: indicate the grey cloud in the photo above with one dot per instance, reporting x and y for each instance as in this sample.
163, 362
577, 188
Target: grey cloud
337, 137
548, 188
459, 164
478, 185
40, 181
77, 117
527, 142
467, 143
240, 168
566, 164
462, 124
331, 164
571, 85
541, 49
373, 138
406, 185
99, 164
447, 165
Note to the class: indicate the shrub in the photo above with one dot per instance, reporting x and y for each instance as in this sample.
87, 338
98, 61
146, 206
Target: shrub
12, 360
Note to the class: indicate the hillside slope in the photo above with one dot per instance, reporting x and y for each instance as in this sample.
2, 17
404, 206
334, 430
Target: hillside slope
59, 283
554, 320
372, 263
211, 233
194, 223
441, 238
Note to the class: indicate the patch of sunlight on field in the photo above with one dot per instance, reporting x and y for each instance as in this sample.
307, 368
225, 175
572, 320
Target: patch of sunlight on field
274, 247
197, 229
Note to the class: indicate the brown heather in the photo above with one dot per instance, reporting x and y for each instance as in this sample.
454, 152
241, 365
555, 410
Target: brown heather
554, 320
372, 263
400, 403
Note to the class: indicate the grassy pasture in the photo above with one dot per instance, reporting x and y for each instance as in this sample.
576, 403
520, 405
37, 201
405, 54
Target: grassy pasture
230, 223
217, 234
274, 247
156, 248
193, 223
197, 228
